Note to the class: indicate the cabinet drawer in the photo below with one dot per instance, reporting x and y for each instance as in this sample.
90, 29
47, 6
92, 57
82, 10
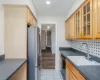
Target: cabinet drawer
74, 71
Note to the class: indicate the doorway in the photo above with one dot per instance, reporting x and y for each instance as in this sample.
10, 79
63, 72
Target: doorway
48, 40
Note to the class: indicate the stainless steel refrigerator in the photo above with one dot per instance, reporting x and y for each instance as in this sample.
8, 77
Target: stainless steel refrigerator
34, 53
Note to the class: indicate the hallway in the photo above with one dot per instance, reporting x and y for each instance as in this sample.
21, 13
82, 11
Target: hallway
48, 59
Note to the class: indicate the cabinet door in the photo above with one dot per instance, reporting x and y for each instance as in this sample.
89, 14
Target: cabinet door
78, 30
96, 19
32, 20
72, 76
71, 27
67, 73
28, 16
66, 30
87, 20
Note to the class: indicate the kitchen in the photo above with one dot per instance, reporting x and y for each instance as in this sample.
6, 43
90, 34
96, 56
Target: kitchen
77, 37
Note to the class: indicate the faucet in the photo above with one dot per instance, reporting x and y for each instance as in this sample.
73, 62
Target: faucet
88, 54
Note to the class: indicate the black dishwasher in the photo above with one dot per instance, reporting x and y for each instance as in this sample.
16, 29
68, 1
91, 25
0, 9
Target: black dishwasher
63, 67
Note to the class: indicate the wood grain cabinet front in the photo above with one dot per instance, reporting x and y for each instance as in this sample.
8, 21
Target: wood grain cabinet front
66, 30
67, 73
86, 22
72, 76
71, 27
78, 22
30, 18
21, 74
70, 31
96, 19
87, 17
72, 73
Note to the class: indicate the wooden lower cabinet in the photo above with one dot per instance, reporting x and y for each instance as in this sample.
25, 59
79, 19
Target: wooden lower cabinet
21, 74
67, 73
72, 73
72, 76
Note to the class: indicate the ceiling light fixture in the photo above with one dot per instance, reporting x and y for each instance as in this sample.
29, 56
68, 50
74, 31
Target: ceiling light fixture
48, 27
48, 2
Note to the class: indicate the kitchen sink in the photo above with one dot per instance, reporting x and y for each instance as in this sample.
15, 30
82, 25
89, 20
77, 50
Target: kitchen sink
82, 61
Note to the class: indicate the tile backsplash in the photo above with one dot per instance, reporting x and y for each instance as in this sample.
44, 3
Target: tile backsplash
94, 46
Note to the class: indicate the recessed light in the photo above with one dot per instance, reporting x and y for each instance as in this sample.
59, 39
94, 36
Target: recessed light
48, 27
48, 2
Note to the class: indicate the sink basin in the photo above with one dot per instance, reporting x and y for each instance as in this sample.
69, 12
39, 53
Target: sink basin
82, 61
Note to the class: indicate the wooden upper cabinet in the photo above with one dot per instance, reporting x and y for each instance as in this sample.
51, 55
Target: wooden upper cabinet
66, 30
87, 23
30, 18
96, 19
71, 27
70, 31
78, 24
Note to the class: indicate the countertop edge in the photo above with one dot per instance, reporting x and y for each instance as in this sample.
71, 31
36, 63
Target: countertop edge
74, 64
78, 69
16, 69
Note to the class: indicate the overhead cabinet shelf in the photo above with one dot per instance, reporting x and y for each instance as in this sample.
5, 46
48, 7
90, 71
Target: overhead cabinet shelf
30, 18
86, 23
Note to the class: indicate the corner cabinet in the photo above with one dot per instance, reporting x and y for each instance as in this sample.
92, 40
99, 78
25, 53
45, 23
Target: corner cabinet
78, 22
72, 73
87, 23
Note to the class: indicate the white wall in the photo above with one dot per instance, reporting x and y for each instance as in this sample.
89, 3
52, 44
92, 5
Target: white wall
1, 30
60, 33
74, 8
53, 39
21, 2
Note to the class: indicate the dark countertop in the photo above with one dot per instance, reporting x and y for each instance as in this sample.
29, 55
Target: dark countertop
89, 72
9, 66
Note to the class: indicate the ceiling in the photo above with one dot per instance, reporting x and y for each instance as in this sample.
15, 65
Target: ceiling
45, 27
56, 8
